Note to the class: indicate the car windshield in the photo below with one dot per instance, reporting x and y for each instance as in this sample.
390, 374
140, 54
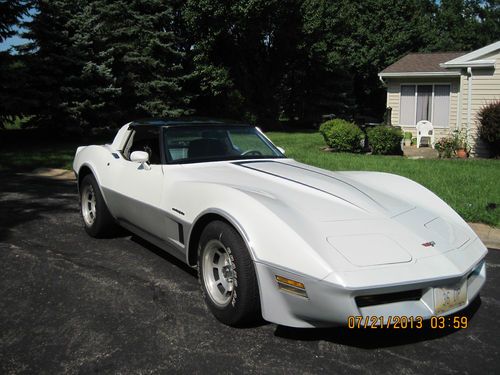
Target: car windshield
215, 142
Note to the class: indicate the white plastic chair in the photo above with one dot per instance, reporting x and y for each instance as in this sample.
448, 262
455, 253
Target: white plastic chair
425, 130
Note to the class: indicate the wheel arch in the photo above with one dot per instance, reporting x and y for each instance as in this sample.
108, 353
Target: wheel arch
202, 221
84, 170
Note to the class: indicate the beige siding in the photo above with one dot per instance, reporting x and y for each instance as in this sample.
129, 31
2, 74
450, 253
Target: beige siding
485, 89
393, 99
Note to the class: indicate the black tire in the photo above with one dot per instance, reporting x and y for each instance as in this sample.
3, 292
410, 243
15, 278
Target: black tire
103, 224
244, 306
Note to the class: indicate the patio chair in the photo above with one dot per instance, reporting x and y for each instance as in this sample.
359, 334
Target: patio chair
425, 130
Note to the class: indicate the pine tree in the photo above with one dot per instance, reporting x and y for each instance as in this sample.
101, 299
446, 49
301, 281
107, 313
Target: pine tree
103, 63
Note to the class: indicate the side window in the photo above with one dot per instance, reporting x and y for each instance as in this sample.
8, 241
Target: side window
144, 139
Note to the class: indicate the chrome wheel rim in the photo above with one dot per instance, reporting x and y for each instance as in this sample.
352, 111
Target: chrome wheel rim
88, 205
218, 273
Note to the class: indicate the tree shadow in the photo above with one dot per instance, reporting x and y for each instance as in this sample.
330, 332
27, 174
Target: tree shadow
376, 338
27, 198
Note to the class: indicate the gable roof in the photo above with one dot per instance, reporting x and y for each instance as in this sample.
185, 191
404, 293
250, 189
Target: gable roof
422, 64
472, 58
439, 64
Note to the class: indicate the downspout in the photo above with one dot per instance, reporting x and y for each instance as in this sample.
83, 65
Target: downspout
469, 102
389, 113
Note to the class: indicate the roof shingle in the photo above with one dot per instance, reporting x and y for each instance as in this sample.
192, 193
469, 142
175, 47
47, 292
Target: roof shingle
422, 62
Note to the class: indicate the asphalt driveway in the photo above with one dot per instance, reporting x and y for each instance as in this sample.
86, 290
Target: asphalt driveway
73, 304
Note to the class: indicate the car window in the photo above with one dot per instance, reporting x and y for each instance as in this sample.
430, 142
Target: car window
191, 144
144, 139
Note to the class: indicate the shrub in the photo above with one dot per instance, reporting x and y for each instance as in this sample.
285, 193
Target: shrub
489, 128
342, 136
385, 140
408, 135
446, 147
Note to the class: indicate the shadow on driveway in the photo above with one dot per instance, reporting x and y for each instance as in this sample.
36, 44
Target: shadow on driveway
24, 199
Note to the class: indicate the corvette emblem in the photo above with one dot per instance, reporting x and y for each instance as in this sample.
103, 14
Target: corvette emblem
427, 244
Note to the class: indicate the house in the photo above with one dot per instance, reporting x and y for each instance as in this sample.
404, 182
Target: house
446, 88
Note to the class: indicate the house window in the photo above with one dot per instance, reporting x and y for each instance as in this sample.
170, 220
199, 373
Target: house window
425, 102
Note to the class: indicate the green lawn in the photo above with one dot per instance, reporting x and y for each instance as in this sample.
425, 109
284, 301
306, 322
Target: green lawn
469, 186
19, 159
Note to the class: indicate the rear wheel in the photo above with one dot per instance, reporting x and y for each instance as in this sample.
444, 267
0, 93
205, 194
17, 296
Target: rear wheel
97, 219
227, 275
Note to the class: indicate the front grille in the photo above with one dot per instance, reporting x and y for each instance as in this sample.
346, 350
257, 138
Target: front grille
380, 299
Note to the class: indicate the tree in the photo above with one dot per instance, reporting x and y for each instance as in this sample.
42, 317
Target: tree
10, 13
99, 63
241, 52
135, 42
376, 34
464, 25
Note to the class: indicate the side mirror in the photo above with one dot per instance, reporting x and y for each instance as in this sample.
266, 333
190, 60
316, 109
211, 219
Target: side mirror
139, 156
281, 149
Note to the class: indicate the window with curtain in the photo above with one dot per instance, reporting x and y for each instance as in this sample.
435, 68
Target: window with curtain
441, 107
425, 102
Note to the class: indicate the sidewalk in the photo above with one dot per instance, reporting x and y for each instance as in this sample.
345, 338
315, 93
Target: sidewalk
489, 235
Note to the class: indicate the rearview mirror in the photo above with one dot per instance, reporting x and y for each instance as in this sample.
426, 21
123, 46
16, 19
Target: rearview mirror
281, 149
139, 157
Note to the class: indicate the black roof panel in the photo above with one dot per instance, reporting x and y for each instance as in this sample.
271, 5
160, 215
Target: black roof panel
186, 121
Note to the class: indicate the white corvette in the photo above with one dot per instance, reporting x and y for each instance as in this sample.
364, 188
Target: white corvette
271, 237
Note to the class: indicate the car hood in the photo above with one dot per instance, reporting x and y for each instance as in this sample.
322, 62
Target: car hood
367, 224
319, 194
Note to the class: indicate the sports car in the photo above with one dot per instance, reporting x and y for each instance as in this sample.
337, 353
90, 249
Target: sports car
276, 239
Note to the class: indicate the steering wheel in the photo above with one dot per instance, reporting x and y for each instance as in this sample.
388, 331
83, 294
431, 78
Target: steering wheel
251, 152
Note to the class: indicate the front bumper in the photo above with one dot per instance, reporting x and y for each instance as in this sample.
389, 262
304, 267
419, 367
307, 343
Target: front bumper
330, 303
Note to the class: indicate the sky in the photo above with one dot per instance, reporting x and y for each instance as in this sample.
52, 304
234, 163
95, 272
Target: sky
9, 42
16, 39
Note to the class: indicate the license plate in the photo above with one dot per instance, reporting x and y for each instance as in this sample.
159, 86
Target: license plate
449, 298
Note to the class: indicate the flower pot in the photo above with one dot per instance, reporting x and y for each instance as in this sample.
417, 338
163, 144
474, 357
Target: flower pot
407, 142
461, 153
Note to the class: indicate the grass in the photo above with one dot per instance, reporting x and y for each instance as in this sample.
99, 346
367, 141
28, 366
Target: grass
469, 186
53, 156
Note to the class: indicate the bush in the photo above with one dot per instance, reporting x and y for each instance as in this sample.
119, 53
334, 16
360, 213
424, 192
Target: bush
385, 140
446, 147
489, 128
342, 136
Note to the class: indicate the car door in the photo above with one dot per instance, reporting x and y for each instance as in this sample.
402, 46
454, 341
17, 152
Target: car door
141, 185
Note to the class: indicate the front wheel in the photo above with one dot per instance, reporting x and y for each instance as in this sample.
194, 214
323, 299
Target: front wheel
97, 219
227, 275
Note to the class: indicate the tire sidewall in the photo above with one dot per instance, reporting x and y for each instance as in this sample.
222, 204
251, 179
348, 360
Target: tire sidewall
242, 304
97, 226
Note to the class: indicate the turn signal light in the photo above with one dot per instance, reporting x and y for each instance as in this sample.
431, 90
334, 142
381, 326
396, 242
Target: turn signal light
294, 283
291, 286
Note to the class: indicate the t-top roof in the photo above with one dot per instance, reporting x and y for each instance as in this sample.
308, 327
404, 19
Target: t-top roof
187, 121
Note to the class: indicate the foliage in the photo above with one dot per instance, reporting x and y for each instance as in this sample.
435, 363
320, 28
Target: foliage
385, 140
489, 129
91, 66
341, 135
408, 135
100, 62
447, 147
10, 13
